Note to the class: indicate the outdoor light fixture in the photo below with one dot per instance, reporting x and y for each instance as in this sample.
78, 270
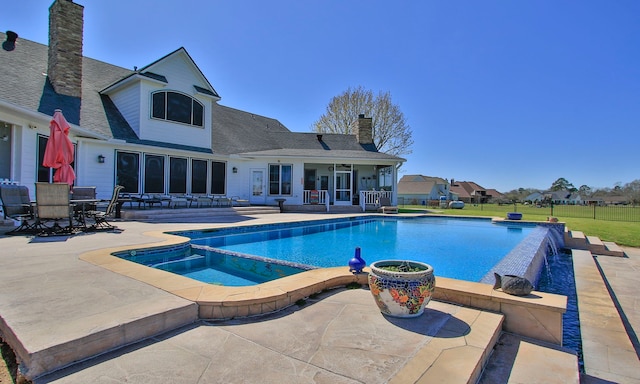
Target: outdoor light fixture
5, 138
10, 44
100, 159
234, 170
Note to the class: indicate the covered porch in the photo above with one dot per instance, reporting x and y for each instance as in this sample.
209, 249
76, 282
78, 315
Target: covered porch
340, 184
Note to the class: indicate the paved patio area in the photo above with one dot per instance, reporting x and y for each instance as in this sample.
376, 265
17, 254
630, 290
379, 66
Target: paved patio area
48, 295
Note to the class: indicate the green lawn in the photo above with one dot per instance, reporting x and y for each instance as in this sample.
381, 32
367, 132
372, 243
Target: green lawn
620, 232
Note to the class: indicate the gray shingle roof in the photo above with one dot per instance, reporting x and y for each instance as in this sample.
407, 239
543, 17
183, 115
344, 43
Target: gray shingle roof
24, 84
247, 134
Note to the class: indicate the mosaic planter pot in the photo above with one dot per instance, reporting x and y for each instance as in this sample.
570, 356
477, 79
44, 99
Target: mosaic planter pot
398, 293
514, 215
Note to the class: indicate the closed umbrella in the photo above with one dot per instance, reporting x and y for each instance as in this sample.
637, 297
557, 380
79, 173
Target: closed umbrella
59, 151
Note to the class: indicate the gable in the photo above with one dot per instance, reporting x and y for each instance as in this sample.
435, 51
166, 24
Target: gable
168, 101
181, 74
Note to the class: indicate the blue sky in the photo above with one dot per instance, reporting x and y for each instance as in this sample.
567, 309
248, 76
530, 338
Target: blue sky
507, 94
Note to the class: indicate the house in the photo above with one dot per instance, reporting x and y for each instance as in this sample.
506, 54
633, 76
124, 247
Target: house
420, 190
535, 197
469, 192
161, 130
565, 198
495, 196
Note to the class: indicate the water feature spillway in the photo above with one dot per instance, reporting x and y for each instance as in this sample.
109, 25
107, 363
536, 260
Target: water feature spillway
528, 258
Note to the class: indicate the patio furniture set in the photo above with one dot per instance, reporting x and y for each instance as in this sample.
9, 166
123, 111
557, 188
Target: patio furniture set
57, 210
147, 200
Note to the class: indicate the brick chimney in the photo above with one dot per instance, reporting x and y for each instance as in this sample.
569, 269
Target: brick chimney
364, 131
65, 47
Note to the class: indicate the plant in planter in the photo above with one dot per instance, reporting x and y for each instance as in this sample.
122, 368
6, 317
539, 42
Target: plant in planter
401, 288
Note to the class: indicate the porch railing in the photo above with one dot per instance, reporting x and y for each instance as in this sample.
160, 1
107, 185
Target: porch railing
372, 198
323, 197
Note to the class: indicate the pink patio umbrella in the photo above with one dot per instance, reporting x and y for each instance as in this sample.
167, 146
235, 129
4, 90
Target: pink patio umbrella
59, 151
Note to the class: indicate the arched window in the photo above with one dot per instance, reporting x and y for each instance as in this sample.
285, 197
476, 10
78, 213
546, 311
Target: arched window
178, 107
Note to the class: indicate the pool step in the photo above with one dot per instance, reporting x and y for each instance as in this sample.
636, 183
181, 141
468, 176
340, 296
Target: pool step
613, 249
459, 350
578, 240
194, 214
595, 245
575, 239
516, 359
608, 353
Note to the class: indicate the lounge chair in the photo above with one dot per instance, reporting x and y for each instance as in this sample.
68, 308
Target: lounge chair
100, 217
53, 204
236, 201
179, 201
385, 206
151, 199
16, 205
222, 201
201, 201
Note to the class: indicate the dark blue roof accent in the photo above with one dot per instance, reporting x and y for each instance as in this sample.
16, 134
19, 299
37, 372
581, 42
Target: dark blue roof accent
155, 76
204, 90
121, 130
369, 147
50, 101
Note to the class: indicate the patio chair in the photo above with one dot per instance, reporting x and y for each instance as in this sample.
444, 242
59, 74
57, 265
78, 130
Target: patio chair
53, 204
100, 217
16, 205
385, 206
82, 193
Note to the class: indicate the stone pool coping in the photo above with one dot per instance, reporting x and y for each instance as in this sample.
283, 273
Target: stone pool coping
538, 315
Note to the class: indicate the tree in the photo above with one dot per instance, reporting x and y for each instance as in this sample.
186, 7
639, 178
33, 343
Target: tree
391, 134
584, 190
632, 191
562, 185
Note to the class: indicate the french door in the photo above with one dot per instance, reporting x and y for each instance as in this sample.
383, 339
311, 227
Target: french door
258, 187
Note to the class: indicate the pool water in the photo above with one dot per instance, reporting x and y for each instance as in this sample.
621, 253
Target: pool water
464, 249
223, 268
559, 278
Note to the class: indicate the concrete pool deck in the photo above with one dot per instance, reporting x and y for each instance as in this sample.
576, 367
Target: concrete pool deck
49, 297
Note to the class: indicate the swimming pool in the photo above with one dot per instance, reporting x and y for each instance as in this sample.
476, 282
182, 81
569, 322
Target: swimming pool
460, 248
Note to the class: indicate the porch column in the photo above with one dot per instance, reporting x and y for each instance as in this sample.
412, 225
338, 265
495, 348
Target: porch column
394, 190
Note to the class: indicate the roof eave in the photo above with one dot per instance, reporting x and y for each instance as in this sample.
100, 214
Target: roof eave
128, 80
43, 117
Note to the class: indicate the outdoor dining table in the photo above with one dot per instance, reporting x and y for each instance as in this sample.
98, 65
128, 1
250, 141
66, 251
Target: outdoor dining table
80, 214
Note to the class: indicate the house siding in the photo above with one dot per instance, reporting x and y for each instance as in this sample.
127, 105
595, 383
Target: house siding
128, 101
180, 80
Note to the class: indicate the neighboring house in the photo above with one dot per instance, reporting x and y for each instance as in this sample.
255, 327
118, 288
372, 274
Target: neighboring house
565, 198
607, 200
535, 197
616, 200
494, 195
469, 192
159, 129
419, 189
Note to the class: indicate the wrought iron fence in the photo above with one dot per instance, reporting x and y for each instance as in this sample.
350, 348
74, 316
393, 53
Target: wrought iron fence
598, 212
